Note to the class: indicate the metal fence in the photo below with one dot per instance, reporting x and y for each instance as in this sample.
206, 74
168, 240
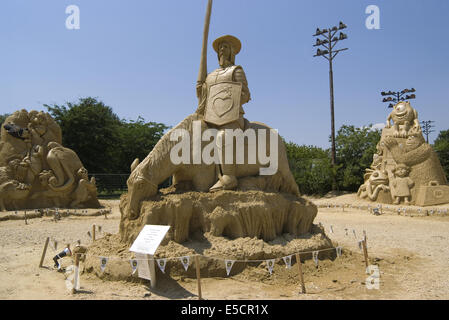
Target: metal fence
110, 182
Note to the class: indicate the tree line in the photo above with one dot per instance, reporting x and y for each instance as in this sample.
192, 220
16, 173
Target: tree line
107, 144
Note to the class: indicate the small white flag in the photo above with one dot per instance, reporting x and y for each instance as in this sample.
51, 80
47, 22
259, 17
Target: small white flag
162, 263
431, 212
103, 262
134, 264
185, 262
288, 261
270, 265
315, 257
338, 251
229, 264
331, 229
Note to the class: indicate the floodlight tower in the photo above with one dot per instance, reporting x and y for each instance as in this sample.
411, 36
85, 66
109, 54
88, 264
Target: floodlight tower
328, 41
397, 96
427, 128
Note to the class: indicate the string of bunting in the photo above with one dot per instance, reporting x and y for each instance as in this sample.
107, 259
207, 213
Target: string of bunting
185, 260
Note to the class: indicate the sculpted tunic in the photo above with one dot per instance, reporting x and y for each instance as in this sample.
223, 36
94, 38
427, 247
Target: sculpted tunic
229, 74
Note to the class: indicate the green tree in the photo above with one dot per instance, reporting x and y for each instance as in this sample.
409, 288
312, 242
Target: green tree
311, 168
355, 149
137, 139
103, 142
91, 129
441, 147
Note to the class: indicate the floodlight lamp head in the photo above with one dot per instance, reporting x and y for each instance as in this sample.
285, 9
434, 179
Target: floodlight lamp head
342, 36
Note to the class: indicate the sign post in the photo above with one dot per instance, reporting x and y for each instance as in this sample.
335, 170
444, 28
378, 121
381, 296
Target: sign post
145, 246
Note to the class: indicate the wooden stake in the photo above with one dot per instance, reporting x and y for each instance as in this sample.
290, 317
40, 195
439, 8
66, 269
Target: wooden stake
198, 276
365, 253
76, 279
93, 232
26, 222
152, 271
301, 278
44, 252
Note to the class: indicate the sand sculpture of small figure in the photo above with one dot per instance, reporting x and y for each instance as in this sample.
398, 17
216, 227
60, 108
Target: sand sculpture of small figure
375, 181
401, 184
405, 116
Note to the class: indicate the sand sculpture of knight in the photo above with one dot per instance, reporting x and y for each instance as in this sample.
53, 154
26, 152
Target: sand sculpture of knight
221, 97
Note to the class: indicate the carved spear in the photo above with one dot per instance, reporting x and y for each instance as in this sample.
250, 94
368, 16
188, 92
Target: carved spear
203, 64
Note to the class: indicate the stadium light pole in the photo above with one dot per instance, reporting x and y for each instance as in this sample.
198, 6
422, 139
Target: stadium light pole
397, 96
427, 128
328, 41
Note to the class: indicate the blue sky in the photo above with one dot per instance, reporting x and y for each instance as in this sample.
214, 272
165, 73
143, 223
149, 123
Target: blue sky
142, 57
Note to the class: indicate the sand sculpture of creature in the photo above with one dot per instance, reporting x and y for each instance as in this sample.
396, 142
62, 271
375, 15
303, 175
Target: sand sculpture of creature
221, 94
40, 171
414, 172
405, 120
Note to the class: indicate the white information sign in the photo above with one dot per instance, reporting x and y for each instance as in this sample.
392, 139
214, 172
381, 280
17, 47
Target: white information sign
149, 239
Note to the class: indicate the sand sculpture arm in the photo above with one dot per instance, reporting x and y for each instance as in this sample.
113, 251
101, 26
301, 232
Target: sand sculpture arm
410, 158
239, 76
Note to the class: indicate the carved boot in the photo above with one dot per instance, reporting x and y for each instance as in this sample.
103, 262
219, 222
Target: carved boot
227, 181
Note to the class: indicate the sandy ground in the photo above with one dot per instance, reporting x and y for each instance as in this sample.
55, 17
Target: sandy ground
412, 254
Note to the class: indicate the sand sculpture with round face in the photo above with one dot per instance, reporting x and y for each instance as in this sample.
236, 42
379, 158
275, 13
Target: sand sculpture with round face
36, 171
410, 169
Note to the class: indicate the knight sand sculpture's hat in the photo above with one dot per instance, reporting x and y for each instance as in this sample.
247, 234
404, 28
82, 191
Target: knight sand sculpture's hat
235, 43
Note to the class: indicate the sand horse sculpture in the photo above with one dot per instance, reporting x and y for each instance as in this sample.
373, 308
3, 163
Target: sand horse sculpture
157, 167
221, 95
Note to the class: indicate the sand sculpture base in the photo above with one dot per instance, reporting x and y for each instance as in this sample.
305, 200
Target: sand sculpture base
232, 214
217, 249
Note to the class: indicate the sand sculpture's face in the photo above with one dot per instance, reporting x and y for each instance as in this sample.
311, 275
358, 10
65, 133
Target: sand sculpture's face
401, 172
403, 112
224, 54
39, 122
139, 188
413, 142
378, 177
